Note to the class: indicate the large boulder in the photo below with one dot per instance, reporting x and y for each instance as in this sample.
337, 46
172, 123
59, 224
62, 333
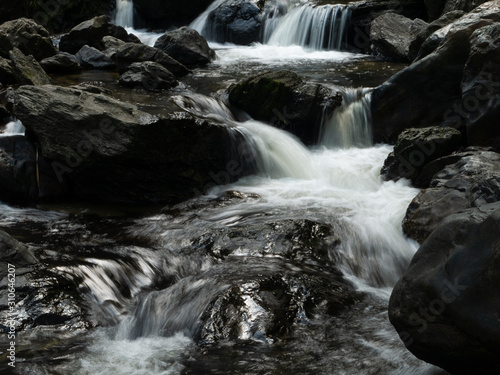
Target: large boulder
465, 180
463, 5
29, 37
284, 100
109, 150
392, 34
164, 14
91, 33
234, 21
186, 46
130, 53
445, 308
24, 175
430, 91
148, 75
5, 45
415, 149
27, 70
92, 58
62, 63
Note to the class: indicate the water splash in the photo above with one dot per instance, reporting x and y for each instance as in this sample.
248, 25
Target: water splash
15, 127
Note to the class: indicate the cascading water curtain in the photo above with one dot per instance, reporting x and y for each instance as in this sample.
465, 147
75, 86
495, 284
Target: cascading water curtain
124, 13
315, 27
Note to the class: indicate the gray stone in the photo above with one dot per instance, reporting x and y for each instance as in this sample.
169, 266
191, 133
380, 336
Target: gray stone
62, 63
92, 58
27, 70
148, 75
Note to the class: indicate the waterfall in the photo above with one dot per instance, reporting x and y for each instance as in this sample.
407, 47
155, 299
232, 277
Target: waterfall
350, 124
315, 27
124, 13
201, 21
14, 128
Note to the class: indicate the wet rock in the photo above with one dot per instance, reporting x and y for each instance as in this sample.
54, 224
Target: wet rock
431, 28
234, 21
284, 100
27, 70
92, 58
392, 34
109, 150
471, 181
23, 178
7, 73
165, 14
148, 75
429, 92
415, 149
15, 253
445, 307
29, 37
62, 63
186, 46
91, 33
133, 52
463, 5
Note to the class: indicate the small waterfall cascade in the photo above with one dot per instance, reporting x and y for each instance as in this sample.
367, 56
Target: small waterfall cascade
315, 27
201, 21
124, 13
350, 124
14, 128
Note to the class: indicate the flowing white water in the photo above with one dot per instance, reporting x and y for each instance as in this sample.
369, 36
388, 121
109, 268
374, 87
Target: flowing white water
124, 13
15, 127
349, 126
315, 27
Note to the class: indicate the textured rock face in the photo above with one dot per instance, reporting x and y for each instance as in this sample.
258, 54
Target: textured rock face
27, 70
29, 37
283, 99
133, 52
92, 58
186, 46
415, 149
433, 90
62, 63
392, 35
108, 150
445, 307
469, 179
148, 75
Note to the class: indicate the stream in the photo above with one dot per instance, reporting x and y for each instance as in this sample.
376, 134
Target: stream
286, 271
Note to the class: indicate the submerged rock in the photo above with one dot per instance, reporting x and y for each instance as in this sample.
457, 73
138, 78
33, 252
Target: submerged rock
415, 149
284, 100
445, 308
109, 150
392, 35
463, 180
130, 53
29, 37
27, 70
186, 46
62, 63
148, 75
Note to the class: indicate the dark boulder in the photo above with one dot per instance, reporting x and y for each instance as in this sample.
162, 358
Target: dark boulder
165, 14
431, 28
5, 45
22, 178
434, 8
234, 21
5, 116
130, 53
7, 74
392, 34
29, 37
62, 63
463, 5
148, 75
91, 32
429, 92
186, 46
109, 150
468, 179
92, 58
415, 149
27, 70
284, 100
15, 253
445, 308
111, 46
